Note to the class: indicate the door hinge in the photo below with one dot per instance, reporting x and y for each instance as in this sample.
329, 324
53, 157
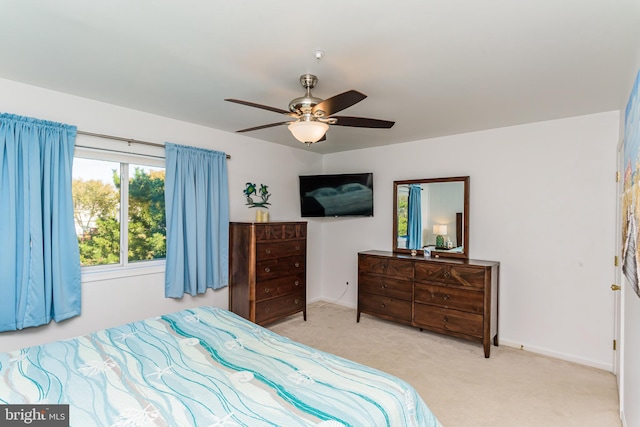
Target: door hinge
615, 260
614, 345
617, 176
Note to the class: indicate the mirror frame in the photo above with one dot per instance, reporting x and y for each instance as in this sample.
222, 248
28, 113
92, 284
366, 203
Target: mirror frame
465, 216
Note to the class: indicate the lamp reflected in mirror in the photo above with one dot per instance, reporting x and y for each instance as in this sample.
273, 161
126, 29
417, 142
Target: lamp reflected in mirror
440, 231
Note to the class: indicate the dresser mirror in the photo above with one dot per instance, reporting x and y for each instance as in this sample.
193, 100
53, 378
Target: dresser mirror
432, 215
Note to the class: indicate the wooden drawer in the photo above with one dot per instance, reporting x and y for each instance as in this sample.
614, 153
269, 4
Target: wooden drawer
432, 271
460, 322
279, 231
396, 309
385, 286
385, 266
453, 275
270, 250
295, 231
281, 286
279, 307
450, 297
468, 277
278, 267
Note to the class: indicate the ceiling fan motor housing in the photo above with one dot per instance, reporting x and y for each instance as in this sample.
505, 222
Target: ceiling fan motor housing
305, 103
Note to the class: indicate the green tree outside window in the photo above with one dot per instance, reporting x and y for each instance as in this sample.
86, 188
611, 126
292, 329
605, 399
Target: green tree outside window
97, 214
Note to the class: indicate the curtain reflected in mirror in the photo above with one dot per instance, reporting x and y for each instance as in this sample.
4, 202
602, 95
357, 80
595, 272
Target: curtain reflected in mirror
414, 220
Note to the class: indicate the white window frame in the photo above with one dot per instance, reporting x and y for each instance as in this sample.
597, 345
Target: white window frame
94, 273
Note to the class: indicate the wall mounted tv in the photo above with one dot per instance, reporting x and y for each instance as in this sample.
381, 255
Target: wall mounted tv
336, 195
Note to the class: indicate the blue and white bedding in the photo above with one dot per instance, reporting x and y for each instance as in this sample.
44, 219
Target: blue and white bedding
204, 367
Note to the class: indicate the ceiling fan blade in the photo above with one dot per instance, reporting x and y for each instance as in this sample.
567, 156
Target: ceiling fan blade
339, 102
264, 107
362, 122
270, 125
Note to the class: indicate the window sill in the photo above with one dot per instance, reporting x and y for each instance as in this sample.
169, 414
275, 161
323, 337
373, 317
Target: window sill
97, 274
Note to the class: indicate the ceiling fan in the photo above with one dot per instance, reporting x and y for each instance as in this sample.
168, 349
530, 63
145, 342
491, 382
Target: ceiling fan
311, 116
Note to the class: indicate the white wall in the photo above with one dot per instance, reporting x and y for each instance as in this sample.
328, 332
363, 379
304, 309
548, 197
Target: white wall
549, 183
542, 203
112, 302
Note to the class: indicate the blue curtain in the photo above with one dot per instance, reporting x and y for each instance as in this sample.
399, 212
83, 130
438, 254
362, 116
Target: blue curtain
414, 221
39, 257
197, 204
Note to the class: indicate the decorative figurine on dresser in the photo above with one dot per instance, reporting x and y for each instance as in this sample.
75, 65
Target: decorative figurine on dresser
267, 270
423, 284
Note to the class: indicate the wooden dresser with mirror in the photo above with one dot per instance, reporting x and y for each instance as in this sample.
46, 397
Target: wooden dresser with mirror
444, 291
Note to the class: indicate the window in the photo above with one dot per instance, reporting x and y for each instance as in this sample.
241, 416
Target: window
118, 208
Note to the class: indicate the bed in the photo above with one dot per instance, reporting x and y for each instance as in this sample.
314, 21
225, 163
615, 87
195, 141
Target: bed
205, 367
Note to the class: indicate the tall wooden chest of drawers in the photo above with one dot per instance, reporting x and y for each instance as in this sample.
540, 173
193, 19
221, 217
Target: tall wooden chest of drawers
267, 270
455, 297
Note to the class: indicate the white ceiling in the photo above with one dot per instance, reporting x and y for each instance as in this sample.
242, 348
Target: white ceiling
435, 67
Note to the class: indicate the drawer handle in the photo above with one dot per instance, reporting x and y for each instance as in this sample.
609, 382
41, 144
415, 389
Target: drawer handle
268, 251
384, 286
446, 318
297, 264
266, 310
447, 274
267, 269
267, 290
382, 305
296, 283
297, 248
446, 297
296, 301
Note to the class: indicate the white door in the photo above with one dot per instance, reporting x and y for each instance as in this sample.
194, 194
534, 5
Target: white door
617, 307
629, 377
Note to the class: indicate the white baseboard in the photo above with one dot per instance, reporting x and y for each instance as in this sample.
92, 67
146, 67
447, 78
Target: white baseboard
533, 349
331, 301
556, 355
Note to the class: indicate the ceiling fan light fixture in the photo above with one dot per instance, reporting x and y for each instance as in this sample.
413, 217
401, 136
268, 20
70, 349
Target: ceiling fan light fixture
308, 131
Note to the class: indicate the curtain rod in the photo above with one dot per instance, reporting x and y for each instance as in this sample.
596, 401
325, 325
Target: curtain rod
129, 140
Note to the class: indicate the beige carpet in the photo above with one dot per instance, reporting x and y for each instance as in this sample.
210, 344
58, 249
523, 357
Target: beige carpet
461, 387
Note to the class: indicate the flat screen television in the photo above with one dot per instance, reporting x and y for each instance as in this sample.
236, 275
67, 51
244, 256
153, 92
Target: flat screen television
337, 195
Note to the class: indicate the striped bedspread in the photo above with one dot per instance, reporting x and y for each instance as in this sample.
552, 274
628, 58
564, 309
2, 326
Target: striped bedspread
205, 367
